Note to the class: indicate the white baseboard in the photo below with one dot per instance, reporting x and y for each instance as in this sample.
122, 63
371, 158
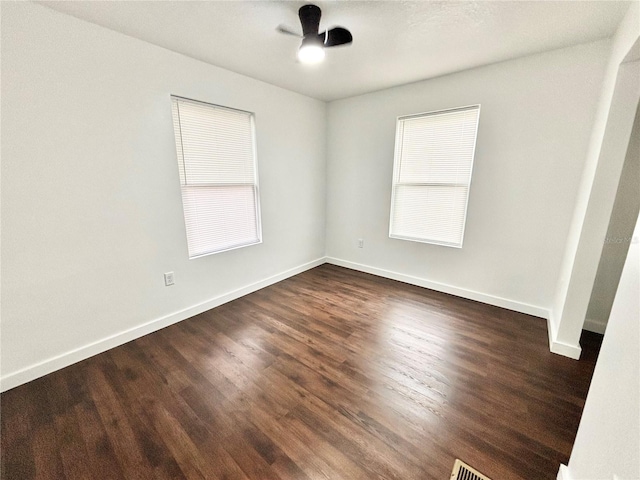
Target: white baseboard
563, 473
555, 346
442, 287
561, 348
595, 326
45, 367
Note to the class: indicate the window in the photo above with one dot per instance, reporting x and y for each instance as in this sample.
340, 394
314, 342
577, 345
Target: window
431, 175
218, 175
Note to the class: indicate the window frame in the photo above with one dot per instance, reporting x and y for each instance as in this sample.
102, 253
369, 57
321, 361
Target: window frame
182, 166
396, 174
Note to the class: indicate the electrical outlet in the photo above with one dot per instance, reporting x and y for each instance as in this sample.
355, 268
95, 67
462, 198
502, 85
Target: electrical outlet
168, 279
360, 243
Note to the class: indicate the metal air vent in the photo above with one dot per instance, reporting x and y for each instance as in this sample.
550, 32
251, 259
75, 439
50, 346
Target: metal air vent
462, 471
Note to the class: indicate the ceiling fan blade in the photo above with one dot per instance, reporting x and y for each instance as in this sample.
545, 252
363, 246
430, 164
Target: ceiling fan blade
310, 19
335, 36
287, 31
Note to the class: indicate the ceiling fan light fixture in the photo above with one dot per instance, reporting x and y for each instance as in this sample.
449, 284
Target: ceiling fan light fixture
311, 53
314, 42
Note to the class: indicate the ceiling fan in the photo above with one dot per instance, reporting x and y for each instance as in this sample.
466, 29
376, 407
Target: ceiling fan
314, 42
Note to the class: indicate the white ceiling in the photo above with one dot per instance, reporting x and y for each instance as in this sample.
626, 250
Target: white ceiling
395, 42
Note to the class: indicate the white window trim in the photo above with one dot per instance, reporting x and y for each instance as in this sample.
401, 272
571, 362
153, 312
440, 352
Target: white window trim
396, 174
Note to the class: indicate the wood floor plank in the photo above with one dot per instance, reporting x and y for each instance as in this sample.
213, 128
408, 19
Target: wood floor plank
331, 374
46, 456
124, 429
99, 450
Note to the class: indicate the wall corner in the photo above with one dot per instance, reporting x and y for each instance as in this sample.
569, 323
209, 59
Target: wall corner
561, 348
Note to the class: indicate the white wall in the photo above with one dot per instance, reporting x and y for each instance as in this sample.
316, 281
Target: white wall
534, 129
92, 216
609, 139
619, 235
91, 209
608, 438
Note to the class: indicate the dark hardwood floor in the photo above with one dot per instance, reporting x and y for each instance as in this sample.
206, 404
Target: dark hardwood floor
330, 374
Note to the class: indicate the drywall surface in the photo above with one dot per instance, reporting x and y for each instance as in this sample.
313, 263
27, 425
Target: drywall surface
608, 440
536, 117
91, 208
607, 146
619, 235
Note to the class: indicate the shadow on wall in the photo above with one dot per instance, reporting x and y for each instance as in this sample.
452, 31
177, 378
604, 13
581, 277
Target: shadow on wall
619, 236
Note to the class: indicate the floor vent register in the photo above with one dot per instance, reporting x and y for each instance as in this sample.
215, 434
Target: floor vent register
462, 471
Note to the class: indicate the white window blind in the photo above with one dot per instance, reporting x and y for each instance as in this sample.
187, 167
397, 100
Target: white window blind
218, 175
432, 174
